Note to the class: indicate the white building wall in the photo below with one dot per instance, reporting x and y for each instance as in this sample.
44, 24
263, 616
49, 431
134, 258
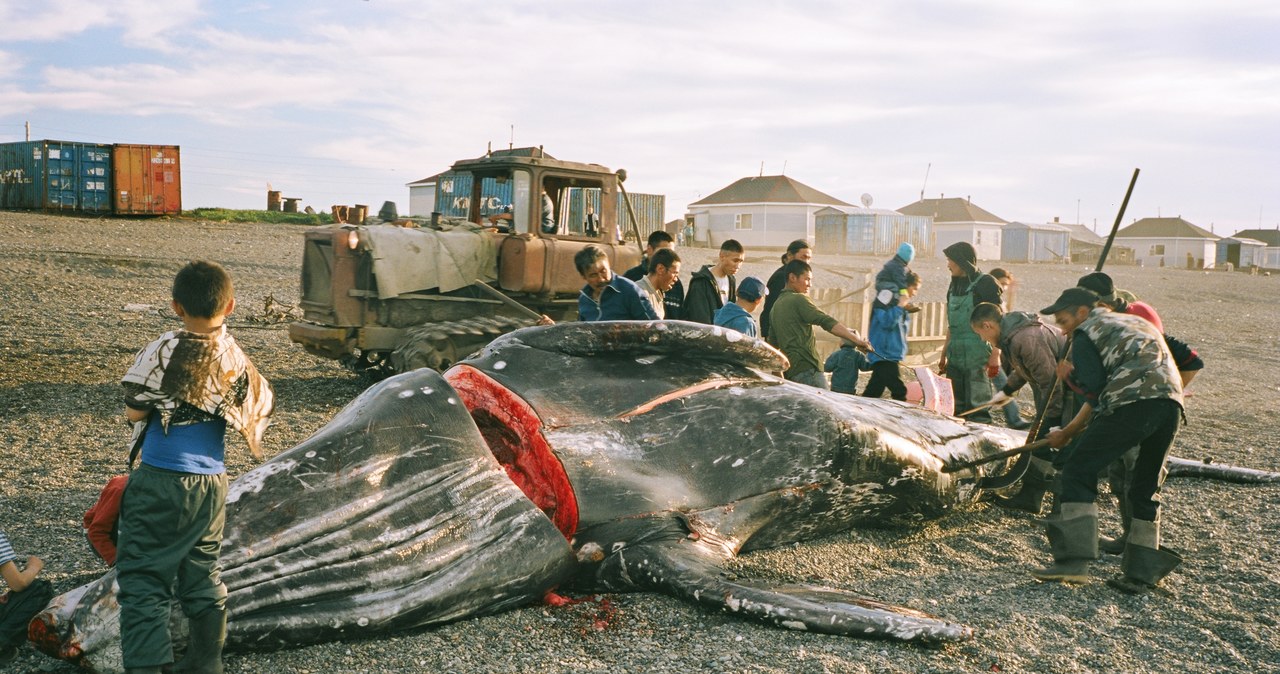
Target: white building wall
1270, 257
985, 238
422, 199
772, 225
1203, 252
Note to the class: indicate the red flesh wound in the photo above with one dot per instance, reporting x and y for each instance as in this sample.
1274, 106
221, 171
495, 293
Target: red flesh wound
513, 432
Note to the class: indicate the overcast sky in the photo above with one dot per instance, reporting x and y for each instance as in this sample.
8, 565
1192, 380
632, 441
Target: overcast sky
1033, 109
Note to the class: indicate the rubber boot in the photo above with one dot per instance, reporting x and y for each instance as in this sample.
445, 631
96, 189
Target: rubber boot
1118, 475
1013, 417
1030, 498
1073, 538
1145, 562
204, 644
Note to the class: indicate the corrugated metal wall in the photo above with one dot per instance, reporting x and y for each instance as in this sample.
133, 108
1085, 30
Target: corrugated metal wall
55, 176
871, 233
146, 179
1020, 243
453, 195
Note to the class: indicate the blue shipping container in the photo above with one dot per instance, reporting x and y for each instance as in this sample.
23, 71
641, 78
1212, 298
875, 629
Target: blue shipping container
453, 199
55, 176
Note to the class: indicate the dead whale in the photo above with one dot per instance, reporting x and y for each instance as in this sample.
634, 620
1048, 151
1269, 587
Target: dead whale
608, 456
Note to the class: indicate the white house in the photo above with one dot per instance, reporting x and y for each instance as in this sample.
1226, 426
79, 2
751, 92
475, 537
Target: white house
422, 195
762, 211
956, 220
1270, 255
1170, 242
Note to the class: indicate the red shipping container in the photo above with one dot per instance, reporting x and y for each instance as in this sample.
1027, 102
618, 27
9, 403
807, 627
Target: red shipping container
147, 179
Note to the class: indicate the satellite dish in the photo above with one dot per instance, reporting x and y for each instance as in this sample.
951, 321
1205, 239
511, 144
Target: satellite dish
866, 200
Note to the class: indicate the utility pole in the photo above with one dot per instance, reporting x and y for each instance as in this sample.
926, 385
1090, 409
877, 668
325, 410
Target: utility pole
28, 125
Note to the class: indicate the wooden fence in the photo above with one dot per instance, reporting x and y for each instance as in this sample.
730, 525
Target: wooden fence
851, 305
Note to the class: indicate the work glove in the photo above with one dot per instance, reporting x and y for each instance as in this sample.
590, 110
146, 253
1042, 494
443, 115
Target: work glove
1000, 399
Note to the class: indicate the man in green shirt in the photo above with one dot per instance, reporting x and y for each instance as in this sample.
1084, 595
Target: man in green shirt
791, 327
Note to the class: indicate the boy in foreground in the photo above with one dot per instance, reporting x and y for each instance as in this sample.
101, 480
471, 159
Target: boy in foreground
180, 394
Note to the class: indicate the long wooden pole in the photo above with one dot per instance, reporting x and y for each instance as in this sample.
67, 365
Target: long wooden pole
1102, 259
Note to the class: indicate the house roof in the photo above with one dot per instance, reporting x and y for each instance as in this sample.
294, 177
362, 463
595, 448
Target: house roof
513, 152
857, 210
1082, 233
769, 190
1271, 237
1244, 241
950, 210
1042, 226
1164, 228
428, 180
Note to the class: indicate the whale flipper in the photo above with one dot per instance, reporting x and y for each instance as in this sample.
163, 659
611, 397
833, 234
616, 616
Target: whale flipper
691, 570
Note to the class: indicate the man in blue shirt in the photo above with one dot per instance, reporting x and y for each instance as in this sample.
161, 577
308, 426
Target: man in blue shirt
607, 297
736, 315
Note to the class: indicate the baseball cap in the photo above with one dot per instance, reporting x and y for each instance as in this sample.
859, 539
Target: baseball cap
1070, 298
752, 289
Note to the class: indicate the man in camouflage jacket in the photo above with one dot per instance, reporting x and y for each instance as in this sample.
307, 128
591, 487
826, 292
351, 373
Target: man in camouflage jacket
1122, 367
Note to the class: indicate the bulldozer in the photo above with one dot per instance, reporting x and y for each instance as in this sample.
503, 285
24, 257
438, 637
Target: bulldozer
388, 297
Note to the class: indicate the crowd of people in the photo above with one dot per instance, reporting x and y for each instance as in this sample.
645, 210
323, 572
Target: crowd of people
1106, 380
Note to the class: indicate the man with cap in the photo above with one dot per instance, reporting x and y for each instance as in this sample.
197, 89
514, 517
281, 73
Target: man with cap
794, 316
1132, 396
967, 360
736, 315
1188, 363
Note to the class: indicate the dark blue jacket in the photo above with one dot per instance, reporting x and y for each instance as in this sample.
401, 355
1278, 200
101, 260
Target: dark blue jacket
620, 301
844, 364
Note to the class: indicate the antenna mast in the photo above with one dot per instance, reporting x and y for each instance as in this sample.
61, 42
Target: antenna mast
926, 180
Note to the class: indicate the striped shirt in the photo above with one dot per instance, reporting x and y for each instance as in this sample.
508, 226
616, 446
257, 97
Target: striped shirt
6, 550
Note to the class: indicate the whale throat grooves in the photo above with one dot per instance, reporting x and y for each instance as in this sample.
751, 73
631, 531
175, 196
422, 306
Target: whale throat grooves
513, 431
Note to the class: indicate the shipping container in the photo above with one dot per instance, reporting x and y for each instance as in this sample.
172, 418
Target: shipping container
55, 175
146, 179
1035, 243
453, 195
453, 199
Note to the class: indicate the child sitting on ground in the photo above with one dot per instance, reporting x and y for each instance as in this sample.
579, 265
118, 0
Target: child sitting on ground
27, 595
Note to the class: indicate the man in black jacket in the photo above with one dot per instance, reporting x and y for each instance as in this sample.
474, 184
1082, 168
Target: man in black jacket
713, 286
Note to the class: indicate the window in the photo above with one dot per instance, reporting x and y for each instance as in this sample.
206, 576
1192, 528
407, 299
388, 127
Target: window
1157, 249
742, 221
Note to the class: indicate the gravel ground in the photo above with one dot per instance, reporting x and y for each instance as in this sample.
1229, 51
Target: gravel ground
68, 335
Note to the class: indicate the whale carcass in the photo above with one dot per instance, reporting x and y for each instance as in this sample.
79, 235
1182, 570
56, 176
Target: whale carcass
603, 456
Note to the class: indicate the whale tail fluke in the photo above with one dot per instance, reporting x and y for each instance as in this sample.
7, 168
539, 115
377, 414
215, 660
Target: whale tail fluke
691, 571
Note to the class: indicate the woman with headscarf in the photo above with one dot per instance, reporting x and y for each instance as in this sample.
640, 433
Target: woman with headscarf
967, 360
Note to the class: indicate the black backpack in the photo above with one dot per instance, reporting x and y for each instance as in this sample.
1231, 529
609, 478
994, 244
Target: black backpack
18, 608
